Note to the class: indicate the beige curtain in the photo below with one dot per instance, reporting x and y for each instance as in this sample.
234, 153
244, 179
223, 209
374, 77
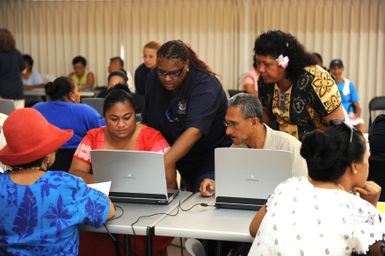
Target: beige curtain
222, 32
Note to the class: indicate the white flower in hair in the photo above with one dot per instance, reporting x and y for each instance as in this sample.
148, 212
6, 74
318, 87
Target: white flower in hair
282, 61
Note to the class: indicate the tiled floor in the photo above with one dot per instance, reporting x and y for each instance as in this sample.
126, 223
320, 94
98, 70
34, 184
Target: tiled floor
174, 248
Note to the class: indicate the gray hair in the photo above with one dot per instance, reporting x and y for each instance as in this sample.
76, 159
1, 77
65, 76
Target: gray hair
249, 104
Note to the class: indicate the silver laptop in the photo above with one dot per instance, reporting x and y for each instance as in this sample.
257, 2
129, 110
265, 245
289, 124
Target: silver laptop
244, 178
136, 176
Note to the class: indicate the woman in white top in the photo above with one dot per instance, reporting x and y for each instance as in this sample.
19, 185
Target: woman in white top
320, 214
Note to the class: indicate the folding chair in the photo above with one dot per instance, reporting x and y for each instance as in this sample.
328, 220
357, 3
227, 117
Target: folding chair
377, 103
6, 106
96, 103
63, 159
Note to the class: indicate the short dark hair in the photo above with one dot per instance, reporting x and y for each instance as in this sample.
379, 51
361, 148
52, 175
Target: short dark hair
118, 93
79, 59
118, 59
28, 59
328, 153
122, 73
249, 104
59, 88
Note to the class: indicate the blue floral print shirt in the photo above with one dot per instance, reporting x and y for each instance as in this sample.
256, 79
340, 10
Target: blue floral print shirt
42, 218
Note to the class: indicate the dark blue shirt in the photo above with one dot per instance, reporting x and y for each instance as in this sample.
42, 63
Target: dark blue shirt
200, 102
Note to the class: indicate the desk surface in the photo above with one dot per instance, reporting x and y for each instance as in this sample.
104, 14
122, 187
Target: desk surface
132, 212
207, 222
41, 92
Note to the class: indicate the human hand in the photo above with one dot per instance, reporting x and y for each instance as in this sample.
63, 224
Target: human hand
370, 192
207, 187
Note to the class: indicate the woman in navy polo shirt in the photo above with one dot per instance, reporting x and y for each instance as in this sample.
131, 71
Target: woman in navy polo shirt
186, 102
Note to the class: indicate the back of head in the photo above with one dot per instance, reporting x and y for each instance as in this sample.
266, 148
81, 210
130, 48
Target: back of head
155, 45
177, 49
276, 43
317, 58
59, 88
329, 153
79, 59
7, 41
118, 93
377, 138
250, 105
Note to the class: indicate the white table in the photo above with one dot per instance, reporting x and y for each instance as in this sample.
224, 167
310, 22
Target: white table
132, 212
41, 92
207, 222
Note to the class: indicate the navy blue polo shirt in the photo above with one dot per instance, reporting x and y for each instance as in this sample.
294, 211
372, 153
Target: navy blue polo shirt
199, 102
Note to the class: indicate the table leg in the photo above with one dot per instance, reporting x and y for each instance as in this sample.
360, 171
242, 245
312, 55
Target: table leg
150, 235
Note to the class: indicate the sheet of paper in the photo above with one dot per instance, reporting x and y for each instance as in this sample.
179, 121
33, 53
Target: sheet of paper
103, 187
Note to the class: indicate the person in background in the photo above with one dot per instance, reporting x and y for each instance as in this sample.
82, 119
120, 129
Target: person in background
318, 60
187, 104
31, 78
322, 215
116, 64
249, 82
114, 78
348, 93
64, 111
149, 62
11, 64
246, 128
297, 95
121, 133
41, 209
84, 79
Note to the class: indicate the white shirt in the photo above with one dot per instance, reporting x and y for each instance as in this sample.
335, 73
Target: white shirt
305, 220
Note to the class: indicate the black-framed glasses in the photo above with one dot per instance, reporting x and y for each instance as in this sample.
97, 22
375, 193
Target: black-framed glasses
171, 74
338, 122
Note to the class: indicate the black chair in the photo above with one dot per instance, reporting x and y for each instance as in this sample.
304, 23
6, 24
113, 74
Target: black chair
377, 174
233, 92
377, 103
96, 103
63, 159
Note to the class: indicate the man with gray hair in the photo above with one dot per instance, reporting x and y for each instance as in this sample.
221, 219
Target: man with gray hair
245, 126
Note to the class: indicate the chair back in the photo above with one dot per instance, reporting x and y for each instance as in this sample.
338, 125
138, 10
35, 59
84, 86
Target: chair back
377, 103
194, 247
63, 159
6, 106
233, 92
96, 103
377, 174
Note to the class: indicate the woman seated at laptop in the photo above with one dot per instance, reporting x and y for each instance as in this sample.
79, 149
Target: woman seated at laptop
40, 210
122, 133
321, 214
64, 111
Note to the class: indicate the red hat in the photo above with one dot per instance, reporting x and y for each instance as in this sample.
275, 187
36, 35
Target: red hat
30, 137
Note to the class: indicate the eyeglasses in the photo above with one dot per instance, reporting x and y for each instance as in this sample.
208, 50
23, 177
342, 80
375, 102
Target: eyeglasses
232, 124
339, 122
171, 74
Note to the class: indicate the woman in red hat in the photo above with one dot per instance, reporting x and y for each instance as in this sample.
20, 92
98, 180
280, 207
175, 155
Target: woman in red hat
123, 133
40, 209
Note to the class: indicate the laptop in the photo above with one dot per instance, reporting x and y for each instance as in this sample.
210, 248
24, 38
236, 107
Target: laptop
244, 178
136, 176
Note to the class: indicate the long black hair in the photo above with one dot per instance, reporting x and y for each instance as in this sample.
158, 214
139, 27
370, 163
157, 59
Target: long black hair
274, 43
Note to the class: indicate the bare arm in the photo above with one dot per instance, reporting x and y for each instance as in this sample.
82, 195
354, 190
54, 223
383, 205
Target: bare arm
256, 222
82, 170
90, 80
181, 147
336, 114
357, 109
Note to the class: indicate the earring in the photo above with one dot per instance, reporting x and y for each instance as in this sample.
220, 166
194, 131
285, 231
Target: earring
355, 172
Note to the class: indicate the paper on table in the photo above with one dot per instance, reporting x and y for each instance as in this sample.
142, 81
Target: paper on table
103, 187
